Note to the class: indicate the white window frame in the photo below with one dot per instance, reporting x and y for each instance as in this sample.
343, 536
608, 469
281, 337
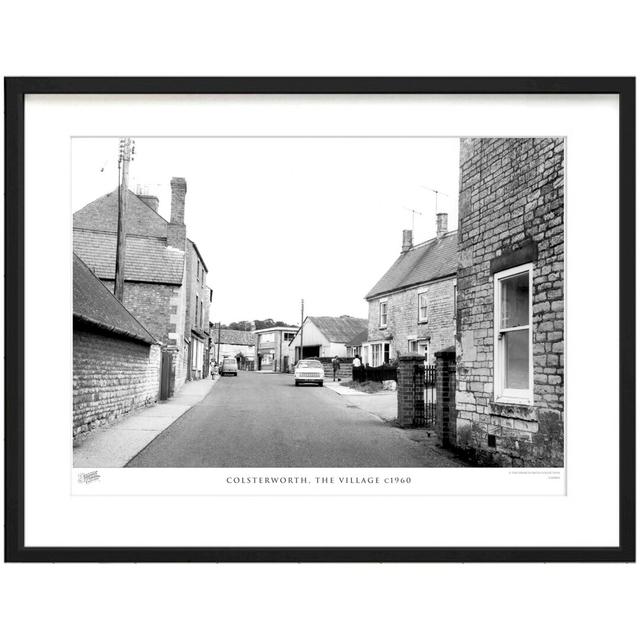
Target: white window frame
377, 352
420, 316
197, 352
501, 393
386, 313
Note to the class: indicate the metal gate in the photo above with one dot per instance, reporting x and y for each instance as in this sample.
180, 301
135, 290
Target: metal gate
424, 383
165, 375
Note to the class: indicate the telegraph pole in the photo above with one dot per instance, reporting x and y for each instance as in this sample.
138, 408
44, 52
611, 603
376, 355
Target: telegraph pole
218, 356
125, 157
301, 327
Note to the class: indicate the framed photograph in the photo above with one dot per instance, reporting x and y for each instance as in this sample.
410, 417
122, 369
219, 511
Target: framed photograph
320, 319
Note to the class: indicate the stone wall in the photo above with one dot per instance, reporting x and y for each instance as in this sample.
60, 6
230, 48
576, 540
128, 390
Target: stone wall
511, 210
112, 376
344, 371
161, 309
403, 322
196, 289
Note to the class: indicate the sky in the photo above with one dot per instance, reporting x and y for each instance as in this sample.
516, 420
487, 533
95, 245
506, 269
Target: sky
281, 219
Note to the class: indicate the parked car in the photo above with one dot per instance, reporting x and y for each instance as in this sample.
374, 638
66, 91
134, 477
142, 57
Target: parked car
309, 372
229, 367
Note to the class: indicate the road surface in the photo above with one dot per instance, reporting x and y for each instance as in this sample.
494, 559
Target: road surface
263, 420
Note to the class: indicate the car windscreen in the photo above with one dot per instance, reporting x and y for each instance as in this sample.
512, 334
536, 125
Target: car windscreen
310, 364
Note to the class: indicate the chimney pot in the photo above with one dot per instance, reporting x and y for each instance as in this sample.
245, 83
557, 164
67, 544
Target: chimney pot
407, 240
441, 224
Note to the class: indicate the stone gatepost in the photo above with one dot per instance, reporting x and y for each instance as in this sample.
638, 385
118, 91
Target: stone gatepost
446, 396
410, 395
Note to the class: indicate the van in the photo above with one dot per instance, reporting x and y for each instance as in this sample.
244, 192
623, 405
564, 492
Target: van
229, 367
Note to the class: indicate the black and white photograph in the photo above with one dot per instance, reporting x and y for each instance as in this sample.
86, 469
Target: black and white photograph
318, 302
363, 320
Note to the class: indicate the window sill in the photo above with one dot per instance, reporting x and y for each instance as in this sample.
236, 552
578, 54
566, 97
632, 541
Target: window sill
510, 408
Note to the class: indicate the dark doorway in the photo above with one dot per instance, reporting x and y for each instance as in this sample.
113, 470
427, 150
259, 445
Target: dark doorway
165, 375
311, 351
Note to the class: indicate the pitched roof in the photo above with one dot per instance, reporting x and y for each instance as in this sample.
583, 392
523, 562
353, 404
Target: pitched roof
147, 259
431, 260
93, 303
359, 338
340, 329
102, 215
233, 336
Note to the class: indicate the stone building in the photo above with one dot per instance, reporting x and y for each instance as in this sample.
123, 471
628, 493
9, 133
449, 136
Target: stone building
233, 344
412, 307
116, 361
198, 304
272, 351
161, 269
510, 302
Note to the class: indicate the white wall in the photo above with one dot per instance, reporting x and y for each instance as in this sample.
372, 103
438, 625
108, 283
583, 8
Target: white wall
312, 336
232, 350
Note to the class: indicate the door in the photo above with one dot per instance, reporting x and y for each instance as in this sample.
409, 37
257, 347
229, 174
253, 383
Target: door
165, 375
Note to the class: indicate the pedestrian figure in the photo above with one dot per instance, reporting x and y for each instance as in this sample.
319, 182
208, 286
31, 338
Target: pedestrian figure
336, 368
356, 368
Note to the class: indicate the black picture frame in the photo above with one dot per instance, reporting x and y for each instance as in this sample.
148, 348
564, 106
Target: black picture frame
15, 91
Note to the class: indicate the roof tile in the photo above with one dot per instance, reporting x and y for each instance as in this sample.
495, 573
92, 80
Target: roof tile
341, 329
428, 261
95, 304
147, 259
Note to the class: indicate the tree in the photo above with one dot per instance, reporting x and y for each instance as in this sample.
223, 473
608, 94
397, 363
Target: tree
242, 325
270, 322
247, 325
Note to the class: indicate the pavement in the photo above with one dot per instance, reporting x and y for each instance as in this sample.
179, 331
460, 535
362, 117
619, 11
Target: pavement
266, 421
114, 445
383, 404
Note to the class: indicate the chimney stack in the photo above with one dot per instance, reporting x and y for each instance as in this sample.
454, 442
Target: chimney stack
441, 224
178, 192
407, 240
176, 230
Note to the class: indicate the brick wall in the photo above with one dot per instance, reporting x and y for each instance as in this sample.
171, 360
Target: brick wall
151, 304
111, 377
446, 397
410, 396
402, 322
511, 204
